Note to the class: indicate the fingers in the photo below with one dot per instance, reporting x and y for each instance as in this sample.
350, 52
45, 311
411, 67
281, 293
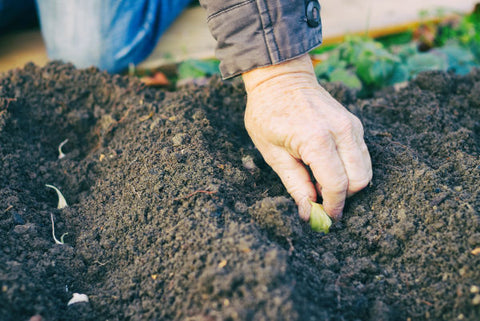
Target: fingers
321, 155
340, 163
295, 178
358, 167
354, 154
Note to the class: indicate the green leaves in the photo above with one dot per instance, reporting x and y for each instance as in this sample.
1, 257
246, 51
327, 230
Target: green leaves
319, 219
192, 68
450, 57
373, 63
336, 70
347, 77
360, 62
459, 59
366, 64
424, 61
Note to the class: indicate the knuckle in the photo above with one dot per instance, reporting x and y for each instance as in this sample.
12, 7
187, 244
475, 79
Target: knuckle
358, 184
315, 145
299, 194
320, 138
348, 126
345, 131
361, 182
345, 125
339, 186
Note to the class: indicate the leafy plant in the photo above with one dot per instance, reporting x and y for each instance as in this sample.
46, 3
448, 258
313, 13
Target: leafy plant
465, 30
424, 61
193, 68
396, 39
335, 69
361, 62
348, 77
459, 59
368, 64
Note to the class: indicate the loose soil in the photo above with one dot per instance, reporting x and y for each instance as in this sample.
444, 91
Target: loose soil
173, 215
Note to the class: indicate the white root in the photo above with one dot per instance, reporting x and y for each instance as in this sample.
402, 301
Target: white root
61, 200
60, 153
53, 233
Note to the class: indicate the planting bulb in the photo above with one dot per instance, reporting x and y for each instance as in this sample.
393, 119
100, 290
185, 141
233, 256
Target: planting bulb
78, 298
319, 219
61, 200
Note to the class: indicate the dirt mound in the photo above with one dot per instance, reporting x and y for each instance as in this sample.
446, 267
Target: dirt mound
173, 215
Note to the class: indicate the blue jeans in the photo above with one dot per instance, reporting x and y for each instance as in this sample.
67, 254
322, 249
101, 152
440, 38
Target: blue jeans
109, 34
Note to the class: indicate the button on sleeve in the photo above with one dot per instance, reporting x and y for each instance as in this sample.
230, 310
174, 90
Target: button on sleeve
257, 33
313, 13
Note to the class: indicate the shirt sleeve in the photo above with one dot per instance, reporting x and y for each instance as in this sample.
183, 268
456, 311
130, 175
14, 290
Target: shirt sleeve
257, 33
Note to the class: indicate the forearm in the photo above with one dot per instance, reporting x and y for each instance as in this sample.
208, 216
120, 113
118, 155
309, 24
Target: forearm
299, 66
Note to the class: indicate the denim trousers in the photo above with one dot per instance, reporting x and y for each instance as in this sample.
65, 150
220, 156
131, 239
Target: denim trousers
109, 34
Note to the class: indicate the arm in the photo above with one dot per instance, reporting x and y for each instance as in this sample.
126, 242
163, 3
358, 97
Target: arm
293, 122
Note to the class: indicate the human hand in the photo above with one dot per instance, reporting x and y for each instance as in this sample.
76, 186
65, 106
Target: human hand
295, 123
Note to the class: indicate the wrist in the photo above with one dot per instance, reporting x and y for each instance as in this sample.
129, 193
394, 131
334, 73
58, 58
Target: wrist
300, 67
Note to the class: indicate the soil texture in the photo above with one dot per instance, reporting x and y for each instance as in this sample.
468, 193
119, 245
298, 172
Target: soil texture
173, 215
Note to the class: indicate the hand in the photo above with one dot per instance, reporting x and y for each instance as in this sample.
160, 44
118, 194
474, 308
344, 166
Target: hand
295, 123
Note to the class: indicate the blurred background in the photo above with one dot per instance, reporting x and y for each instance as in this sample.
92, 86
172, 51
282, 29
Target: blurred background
188, 39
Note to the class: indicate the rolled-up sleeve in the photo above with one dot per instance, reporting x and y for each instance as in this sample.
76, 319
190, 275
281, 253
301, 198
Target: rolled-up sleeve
257, 33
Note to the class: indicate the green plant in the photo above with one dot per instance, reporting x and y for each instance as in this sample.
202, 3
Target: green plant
193, 68
361, 62
465, 30
368, 64
336, 70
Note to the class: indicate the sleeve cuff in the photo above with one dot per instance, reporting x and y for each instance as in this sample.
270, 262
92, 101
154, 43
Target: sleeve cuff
258, 33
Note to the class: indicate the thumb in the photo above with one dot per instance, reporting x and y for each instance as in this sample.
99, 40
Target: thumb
295, 178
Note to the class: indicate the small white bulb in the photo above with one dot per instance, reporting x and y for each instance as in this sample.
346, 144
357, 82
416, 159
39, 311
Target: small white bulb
78, 298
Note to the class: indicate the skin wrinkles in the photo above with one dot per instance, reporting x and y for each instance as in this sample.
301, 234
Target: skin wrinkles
300, 129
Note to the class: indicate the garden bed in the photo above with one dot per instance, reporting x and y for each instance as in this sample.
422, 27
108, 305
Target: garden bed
169, 220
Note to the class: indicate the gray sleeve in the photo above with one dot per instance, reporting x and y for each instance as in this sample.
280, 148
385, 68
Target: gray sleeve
257, 33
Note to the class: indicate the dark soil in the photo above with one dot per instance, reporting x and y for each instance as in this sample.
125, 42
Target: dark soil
169, 220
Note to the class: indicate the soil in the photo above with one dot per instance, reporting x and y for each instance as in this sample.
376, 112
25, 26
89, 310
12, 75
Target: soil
173, 215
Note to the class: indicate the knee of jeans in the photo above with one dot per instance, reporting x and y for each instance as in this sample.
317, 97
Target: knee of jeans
82, 52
